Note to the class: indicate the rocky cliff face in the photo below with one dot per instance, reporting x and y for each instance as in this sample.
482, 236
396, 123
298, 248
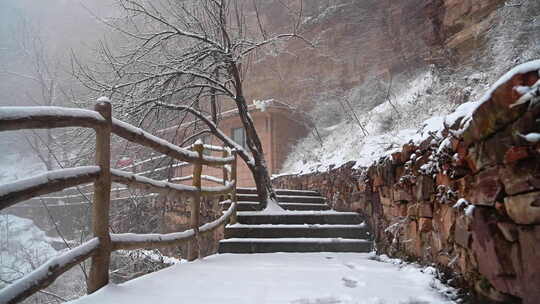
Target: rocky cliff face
467, 202
357, 40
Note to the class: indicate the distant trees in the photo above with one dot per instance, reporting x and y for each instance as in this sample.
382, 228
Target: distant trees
190, 57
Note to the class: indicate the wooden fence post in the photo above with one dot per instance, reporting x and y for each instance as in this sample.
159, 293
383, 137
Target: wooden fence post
225, 172
194, 248
234, 178
99, 270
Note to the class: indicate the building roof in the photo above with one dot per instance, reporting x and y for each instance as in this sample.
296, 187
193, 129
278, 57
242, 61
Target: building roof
256, 106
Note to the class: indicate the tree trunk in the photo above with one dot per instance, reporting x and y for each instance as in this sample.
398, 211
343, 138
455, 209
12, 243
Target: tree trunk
265, 191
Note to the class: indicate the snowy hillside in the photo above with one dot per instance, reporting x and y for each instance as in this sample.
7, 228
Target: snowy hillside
377, 117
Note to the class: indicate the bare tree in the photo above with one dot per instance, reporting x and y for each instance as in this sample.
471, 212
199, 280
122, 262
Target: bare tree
184, 55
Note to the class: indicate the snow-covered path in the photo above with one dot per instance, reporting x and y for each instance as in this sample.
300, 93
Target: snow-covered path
296, 278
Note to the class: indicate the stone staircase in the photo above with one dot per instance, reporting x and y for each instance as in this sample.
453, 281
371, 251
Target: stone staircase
307, 225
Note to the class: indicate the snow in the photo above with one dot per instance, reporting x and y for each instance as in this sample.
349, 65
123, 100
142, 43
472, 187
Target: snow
306, 226
311, 156
151, 237
531, 137
529, 94
170, 237
164, 184
162, 142
211, 178
461, 202
13, 113
22, 244
469, 210
272, 207
524, 68
44, 178
153, 255
296, 278
292, 212
40, 274
293, 240
103, 99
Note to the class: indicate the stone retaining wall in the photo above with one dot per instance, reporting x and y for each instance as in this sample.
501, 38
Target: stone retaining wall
467, 202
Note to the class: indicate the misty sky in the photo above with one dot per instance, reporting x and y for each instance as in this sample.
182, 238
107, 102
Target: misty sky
63, 25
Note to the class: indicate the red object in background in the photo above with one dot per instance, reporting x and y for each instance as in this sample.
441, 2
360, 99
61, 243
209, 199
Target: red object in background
124, 162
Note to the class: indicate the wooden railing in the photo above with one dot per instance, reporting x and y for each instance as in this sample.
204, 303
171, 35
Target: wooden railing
99, 248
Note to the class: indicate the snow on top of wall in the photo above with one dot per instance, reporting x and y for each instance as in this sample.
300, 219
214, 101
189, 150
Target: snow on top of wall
345, 142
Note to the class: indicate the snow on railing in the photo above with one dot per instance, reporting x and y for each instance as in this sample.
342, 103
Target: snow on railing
132, 241
208, 178
51, 181
103, 243
45, 274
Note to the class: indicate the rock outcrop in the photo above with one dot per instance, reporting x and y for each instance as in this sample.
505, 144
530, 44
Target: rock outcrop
468, 202
357, 40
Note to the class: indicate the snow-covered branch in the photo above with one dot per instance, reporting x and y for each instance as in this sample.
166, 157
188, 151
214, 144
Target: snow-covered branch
213, 128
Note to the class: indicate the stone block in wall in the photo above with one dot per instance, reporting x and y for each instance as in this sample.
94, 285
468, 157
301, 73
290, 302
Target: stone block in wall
425, 224
396, 158
498, 260
462, 235
412, 210
495, 113
464, 187
443, 179
426, 210
378, 180
413, 244
524, 209
360, 196
403, 208
406, 152
521, 177
493, 150
487, 187
529, 241
509, 231
386, 195
425, 186
401, 194
444, 220
515, 154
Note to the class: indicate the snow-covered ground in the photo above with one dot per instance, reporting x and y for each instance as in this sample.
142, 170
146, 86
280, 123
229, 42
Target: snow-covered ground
23, 247
296, 278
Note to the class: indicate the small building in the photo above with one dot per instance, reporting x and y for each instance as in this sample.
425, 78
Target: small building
279, 127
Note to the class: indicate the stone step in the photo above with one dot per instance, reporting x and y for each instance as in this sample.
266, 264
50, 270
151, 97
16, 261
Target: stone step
300, 217
242, 206
255, 206
280, 192
297, 231
303, 206
285, 199
257, 245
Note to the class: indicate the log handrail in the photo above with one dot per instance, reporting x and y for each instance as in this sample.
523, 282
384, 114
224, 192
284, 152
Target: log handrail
45, 274
48, 182
166, 188
19, 118
100, 247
